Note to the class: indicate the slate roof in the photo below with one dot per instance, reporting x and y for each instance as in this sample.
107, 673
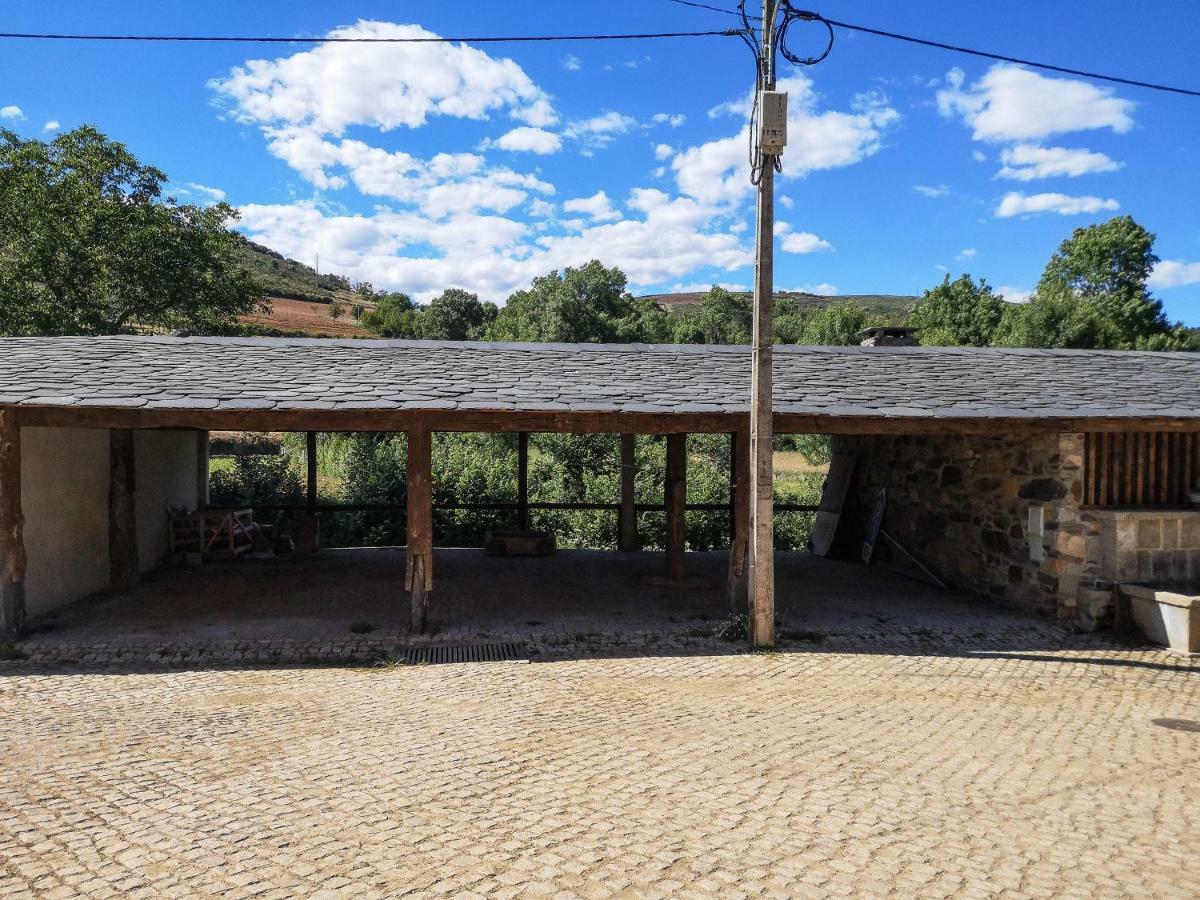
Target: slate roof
316, 374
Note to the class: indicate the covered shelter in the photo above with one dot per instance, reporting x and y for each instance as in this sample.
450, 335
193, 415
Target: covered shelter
1016, 471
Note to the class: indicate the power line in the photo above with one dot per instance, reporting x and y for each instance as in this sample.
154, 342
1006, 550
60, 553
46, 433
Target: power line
956, 48
1116, 79
224, 39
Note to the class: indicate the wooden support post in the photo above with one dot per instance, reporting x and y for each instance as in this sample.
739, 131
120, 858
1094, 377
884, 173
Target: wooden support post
676, 498
12, 528
739, 564
310, 458
418, 575
202, 467
123, 565
523, 480
627, 529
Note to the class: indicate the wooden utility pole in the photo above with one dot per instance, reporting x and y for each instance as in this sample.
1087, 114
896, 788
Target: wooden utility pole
310, 459
762, 513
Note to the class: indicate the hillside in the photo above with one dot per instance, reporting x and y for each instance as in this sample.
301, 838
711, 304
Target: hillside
294, 280
891, 306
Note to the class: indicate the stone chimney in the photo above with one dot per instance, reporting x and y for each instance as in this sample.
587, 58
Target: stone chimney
888, 336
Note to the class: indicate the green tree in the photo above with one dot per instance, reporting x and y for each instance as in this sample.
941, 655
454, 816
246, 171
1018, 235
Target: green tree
394, 316
1094, 294
835, 325
90, 245
721, 318
455, 315
587, 305
336, 309
959, 313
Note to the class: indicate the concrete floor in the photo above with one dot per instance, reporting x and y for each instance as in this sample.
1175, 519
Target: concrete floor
304, 607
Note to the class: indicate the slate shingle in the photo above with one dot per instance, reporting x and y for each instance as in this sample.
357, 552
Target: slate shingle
288, 374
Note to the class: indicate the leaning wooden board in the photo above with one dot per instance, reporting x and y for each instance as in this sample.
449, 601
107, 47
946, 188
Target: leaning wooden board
833, 498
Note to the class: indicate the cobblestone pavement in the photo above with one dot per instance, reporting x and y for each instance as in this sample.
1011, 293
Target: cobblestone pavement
806, 773
902, 742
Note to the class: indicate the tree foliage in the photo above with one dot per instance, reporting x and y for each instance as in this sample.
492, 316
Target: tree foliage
90, 245
959, 313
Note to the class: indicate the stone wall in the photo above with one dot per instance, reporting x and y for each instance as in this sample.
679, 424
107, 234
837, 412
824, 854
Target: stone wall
1002, 517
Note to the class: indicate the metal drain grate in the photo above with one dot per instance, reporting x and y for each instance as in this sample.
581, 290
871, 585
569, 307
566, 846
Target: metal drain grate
464, 653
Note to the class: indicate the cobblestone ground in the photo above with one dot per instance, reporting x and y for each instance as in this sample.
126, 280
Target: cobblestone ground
903, 742
789, 774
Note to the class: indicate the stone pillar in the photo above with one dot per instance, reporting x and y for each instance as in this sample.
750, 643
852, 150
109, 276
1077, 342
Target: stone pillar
12, 525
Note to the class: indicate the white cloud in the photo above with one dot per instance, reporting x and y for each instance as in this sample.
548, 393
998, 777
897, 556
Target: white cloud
12, 112
718, 170
541, 208
207, 195
927, 190
1169, 273
979, 156
571, 62
804, 242
52, 125
1014, 295
1018, 204
334, 86
599, 131
528, 140
663, 151
598, 206
493, 255
703, 287
823, 289
674, 120
1028, 162
785, 201
967, 254
1011, 103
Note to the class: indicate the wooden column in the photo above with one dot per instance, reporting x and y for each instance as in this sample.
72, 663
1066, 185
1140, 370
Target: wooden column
310, 459
739, 543
523, 480
627, 530
418, 575
676, 498
12, 526
123, 565
202, 466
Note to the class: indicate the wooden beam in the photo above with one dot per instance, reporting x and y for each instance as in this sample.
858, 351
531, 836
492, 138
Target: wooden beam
123, 565
12, 529
739, 564
202, 467
418, 574
523, 480
484, 420
627, 528
675, 499
310, 459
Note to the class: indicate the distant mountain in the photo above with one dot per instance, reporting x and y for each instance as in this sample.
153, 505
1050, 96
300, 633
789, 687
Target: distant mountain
891, 306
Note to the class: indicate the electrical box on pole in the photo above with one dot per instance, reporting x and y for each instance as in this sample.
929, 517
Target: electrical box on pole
772, 132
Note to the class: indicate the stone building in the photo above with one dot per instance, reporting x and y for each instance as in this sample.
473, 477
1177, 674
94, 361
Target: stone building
1038, 478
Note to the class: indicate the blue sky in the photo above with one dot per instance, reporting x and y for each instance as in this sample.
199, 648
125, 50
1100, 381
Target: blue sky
419, 168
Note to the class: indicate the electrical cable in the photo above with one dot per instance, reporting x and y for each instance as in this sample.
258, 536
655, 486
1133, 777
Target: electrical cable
953, 48
220, 39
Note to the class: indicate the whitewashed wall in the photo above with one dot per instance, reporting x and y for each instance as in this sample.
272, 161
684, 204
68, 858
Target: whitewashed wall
64, 495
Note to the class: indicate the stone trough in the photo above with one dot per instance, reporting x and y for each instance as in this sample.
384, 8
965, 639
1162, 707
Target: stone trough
1167, 614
